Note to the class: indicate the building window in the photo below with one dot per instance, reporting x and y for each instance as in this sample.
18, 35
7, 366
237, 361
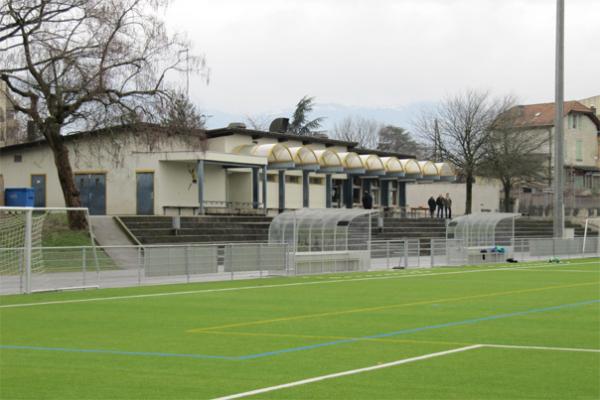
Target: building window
313, 180
271, 178
18, 158
292, 179
573, 120
578, 150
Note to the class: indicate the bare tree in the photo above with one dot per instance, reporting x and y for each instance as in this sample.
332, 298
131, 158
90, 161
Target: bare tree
398, 140
71, 63
364, 131
258, 122
460, 128
513, 155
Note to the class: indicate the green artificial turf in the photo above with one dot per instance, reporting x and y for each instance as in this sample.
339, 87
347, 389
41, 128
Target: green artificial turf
156, 342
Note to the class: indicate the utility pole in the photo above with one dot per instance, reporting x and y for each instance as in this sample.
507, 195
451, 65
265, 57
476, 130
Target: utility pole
559, 215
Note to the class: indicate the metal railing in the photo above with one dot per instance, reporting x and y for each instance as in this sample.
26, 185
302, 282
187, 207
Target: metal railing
56, 268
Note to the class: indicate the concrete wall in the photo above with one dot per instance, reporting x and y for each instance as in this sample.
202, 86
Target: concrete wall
485, 195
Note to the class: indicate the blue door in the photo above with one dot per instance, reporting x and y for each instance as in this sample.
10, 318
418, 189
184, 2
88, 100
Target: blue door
145, 193
92, 192
38, 183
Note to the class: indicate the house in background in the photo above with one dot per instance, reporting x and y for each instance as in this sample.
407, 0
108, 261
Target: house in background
581, 156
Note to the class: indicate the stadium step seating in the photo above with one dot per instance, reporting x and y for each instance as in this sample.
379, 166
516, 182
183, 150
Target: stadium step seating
249, 229
204, 229
525, 227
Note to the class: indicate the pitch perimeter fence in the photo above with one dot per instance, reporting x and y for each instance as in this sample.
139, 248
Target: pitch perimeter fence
62, 268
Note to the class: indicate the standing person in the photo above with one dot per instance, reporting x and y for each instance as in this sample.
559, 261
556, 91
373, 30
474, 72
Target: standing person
439, 202
431, 204
448, 204
367, 200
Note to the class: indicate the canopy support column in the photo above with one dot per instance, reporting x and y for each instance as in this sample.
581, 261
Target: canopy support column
254, 187
281, 185
264, 188
200, 178
328, 185
305, 189
385, 192
348, 191
401, 194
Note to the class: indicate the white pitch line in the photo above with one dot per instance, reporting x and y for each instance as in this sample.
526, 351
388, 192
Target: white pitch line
350, 372
399, 362
574, 349
321, 282
564, 270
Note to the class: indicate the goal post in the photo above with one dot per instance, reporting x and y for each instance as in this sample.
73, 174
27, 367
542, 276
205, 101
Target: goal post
21, 240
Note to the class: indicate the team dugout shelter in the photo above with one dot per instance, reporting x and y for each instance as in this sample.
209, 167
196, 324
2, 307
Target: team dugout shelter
152, 170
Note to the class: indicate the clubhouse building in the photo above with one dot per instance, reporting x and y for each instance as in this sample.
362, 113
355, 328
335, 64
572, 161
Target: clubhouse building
148, 170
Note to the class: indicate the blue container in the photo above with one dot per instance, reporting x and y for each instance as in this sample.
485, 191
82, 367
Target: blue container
19, 197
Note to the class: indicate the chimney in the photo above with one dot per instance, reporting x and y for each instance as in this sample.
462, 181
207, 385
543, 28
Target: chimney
237, 125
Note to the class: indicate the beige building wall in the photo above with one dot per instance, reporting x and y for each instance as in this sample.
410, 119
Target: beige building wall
485, 195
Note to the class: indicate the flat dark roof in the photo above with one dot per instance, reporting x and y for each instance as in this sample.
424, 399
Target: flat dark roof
214, 133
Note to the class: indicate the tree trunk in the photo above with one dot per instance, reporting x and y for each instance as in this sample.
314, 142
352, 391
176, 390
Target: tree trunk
507, 199
469, 197
77, 220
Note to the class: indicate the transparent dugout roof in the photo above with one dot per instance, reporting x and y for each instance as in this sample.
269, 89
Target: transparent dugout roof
321, 230
483, 229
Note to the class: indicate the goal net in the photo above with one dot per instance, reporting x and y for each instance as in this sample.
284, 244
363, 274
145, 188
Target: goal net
27, 237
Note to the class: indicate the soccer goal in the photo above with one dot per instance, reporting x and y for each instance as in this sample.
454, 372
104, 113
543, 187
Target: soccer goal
25, 235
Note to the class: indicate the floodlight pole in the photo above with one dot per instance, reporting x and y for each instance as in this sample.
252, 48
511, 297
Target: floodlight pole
559, 216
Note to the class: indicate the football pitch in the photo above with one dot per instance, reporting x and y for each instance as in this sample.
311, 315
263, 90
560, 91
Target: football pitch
516, 331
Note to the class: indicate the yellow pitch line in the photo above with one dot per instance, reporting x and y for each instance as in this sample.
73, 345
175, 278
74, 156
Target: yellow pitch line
295, 336
387, 307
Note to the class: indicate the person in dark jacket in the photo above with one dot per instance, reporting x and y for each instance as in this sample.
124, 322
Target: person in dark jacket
448, 204
440, 203
431, 204
367, 200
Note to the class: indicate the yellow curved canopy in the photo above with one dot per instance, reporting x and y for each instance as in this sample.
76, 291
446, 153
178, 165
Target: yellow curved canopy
411, 167
304, 156
276, 153
328, 159
428, 170
392, 165
445, 171
351, 160
372, 162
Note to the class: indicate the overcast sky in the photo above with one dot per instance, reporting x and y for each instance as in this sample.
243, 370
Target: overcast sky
264, 55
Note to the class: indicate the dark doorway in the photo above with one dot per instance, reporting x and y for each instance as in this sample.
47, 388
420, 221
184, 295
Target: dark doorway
92, 192
38, 183
145, 193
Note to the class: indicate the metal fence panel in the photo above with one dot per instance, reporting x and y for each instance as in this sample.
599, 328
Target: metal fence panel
180, 260
122, 266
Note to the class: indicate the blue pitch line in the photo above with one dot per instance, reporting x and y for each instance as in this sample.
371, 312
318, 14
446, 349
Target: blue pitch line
419, 329
118, 352
312, 346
